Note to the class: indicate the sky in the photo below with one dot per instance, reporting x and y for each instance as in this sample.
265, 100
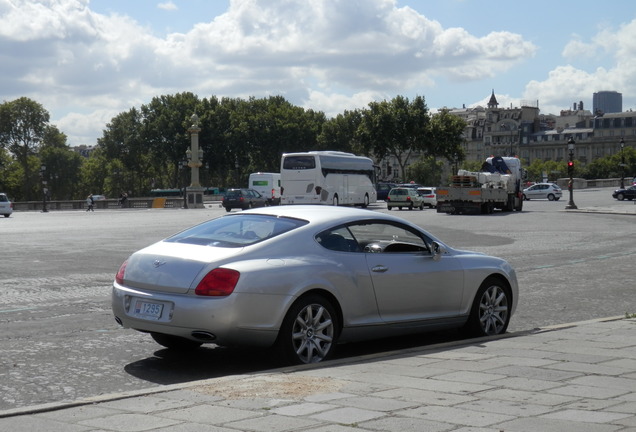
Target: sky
86, 61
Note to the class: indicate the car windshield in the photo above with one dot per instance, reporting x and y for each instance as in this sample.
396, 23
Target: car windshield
237, 230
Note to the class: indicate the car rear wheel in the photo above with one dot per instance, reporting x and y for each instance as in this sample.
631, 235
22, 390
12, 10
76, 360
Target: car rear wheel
551, 197
227, 209
490, 313
175, 342
309, 332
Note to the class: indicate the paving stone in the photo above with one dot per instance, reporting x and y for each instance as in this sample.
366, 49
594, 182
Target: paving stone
129, 422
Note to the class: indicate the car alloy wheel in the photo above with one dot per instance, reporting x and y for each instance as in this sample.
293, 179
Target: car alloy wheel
490, 313
309, 332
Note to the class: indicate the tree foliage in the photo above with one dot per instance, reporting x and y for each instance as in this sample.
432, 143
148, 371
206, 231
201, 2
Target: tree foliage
23, 124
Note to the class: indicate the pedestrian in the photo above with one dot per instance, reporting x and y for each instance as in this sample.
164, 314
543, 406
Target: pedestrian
122, 199
90, 203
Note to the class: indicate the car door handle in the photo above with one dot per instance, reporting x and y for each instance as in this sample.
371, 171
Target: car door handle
379, 269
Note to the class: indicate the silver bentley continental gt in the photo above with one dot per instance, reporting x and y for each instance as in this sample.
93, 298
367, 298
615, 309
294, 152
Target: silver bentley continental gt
302, 279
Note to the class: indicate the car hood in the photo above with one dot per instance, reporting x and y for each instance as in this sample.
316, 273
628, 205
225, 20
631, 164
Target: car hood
172, 267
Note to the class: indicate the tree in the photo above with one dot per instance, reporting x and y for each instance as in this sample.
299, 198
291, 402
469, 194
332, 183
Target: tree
339, 133
23, 124
396, 128
166, 120
62, 172
427, 171
445, 136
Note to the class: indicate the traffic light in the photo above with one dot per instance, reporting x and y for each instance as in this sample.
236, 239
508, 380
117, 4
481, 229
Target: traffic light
570, 168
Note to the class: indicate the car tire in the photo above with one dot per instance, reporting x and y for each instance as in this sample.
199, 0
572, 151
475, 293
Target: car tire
227, 209
175, 342
422, 206
525, 198
389, 208
490, 313
399, 208
551, 197
310, 331
620, 197
365, 204
411, 206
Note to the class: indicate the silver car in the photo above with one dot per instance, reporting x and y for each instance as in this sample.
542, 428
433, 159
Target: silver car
300, 279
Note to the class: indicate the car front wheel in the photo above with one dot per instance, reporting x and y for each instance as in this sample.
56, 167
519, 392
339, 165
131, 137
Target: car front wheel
620, 197
309, 332
490, 313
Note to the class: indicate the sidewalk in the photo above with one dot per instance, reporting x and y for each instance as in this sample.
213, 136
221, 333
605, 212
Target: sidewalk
578, 377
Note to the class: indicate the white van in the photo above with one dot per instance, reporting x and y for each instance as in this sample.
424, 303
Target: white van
267, 184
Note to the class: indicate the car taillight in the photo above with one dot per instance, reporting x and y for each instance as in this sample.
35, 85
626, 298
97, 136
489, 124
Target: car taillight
388, 198
119, 277
219, 282
408, 198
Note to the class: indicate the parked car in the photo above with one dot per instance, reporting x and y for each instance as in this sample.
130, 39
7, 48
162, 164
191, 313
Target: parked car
243, 199
288, 277
383, 189
428, 195
6, 206
404, 197
549, 191
627, 193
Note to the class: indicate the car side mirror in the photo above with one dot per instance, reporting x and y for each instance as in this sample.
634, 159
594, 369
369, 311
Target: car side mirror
437, 250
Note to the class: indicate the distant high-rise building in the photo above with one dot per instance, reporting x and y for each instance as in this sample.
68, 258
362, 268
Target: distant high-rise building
604, 102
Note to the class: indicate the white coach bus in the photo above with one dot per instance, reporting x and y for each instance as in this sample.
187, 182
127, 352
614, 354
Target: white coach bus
327, 177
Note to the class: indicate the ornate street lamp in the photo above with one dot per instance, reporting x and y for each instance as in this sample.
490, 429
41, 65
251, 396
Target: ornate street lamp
194, 154
622, 164
571, 205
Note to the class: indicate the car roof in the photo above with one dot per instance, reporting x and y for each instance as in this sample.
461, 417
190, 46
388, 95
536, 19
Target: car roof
318, 214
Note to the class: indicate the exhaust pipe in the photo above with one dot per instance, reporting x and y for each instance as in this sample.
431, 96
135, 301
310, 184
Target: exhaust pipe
203, 335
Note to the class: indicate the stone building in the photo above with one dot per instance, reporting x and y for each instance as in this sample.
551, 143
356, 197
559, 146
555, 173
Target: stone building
524, 132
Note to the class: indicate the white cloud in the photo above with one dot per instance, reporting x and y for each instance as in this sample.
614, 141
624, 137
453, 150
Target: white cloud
169, 6
327, 55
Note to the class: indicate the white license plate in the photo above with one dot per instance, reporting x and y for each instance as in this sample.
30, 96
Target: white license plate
148, 310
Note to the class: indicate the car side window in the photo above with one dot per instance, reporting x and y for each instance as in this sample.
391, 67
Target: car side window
385, 237
338, 239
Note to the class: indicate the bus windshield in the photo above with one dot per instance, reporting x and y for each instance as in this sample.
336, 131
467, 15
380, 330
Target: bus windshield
299, 162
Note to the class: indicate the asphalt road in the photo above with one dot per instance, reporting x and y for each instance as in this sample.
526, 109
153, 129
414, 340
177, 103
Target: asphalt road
60, 343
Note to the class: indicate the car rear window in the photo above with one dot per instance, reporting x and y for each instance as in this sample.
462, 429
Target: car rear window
399, 192
3, 198
237, 230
